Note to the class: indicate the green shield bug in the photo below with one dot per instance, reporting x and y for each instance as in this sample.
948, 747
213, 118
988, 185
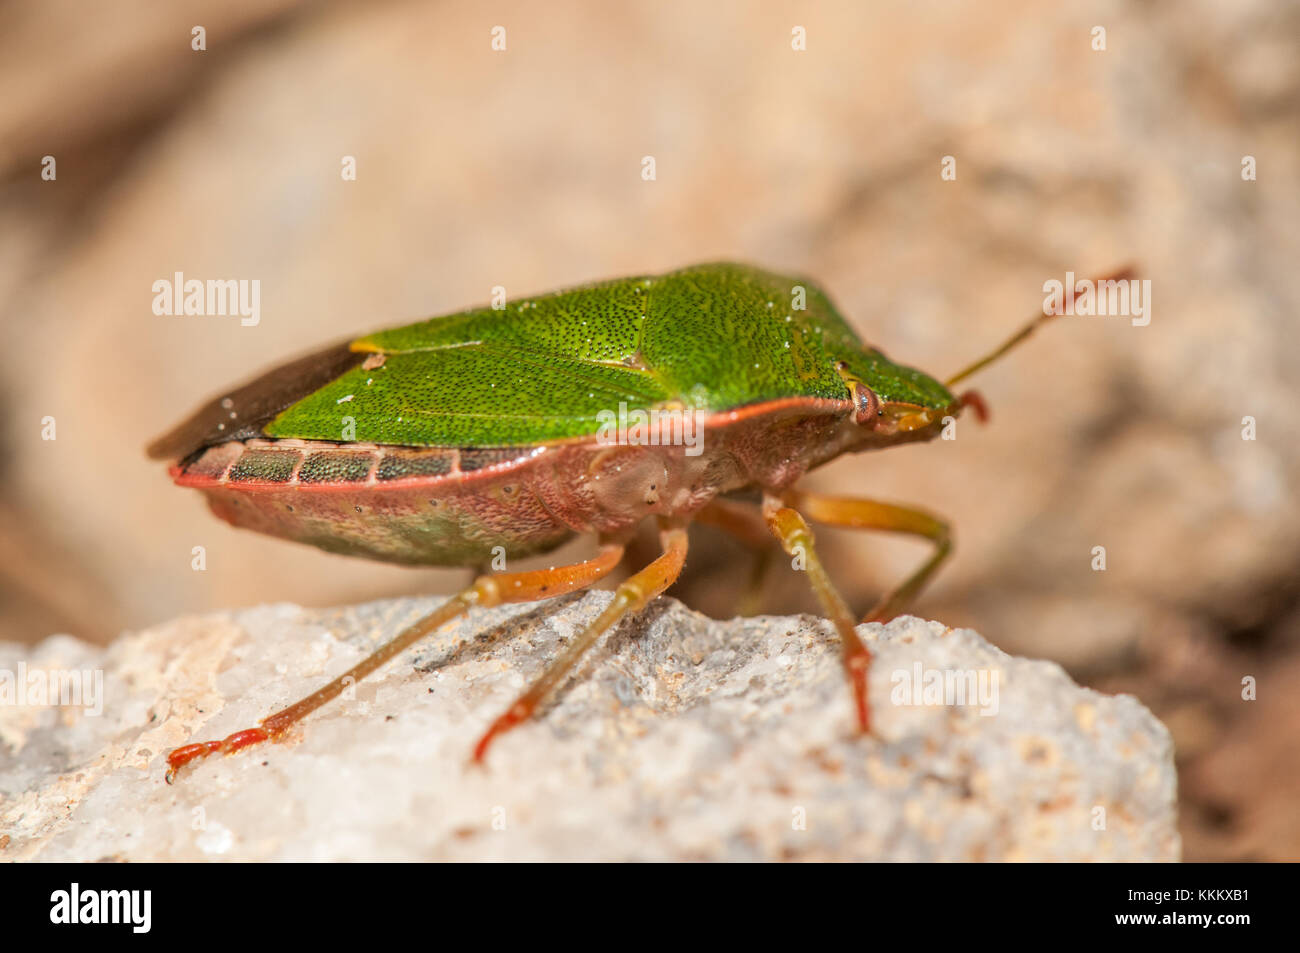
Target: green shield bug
583, 411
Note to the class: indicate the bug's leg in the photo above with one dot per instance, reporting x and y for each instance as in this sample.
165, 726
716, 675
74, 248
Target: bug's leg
754, 595
871, 514
797, 540
976, 402
630, 596
487, 591
745, 523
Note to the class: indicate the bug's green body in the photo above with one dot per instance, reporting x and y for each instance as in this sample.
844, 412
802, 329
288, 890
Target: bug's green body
451, 439
714, 337
440, 441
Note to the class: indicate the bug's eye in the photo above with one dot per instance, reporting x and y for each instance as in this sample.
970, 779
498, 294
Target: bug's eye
866, 405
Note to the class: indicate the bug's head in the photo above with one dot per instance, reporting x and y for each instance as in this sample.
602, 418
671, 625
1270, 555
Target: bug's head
894, 403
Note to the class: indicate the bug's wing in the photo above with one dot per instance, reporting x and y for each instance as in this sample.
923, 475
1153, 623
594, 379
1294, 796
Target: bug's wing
470, 395
541, 369
244, 411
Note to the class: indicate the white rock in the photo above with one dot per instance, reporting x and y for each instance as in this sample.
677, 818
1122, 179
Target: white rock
682, 738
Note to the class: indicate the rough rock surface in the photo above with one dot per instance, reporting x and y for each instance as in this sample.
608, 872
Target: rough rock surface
684, 739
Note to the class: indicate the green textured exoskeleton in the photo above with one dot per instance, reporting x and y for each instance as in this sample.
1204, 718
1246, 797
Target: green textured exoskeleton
675, 396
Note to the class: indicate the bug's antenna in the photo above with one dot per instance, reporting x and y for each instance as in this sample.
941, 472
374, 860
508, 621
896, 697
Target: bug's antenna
1124, 274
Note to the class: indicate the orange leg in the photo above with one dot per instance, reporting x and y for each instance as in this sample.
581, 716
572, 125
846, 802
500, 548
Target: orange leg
797, 540
754, 595
976, 402
741, 520
631, 596
487, 591
746, 524
870, 514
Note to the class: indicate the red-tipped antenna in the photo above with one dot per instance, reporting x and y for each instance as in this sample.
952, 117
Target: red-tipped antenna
1124, 274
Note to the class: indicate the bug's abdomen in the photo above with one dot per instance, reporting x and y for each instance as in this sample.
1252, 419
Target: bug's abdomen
435, 506
452, 507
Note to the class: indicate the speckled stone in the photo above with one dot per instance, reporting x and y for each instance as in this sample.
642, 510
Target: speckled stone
683, 739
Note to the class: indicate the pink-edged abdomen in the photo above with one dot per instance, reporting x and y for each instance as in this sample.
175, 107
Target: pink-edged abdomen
453, 507
435, 506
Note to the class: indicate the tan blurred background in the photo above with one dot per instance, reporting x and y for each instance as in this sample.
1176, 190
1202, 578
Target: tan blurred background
522, 168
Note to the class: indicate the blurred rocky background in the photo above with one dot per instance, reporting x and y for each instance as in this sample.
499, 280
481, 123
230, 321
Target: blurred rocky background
522, 167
